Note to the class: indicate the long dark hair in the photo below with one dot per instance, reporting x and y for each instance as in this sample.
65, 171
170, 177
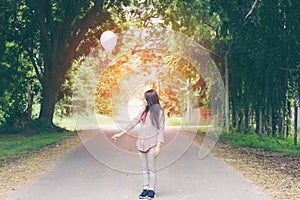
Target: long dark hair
153, 106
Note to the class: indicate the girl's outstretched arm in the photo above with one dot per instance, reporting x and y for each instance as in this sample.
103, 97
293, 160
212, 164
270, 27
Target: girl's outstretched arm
117, 135
130, 126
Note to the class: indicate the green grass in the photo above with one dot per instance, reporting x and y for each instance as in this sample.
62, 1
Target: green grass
180, 121
266, 143
174, 121
13, 146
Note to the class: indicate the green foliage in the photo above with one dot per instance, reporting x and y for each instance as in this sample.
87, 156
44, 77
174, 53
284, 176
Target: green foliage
15, 74
174, 79
174, 121
262, 55
265, 143
39, 38
39, 42
14, 146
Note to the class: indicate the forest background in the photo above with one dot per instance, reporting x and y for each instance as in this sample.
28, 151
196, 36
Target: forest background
255, 45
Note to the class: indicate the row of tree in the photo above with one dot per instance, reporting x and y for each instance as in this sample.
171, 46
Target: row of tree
255, 46
260, 46
254, 43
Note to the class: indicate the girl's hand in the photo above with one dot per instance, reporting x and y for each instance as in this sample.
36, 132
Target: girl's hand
157, 150
116, 136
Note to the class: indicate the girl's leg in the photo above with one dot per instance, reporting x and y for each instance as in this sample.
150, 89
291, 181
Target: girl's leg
145, 172
151, 162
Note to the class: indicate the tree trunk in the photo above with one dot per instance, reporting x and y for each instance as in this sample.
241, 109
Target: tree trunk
240, 121
256, 118
277, 111
233, 113
30, 100
60, 40
51, 87
284, 107
295, 124
246, 125
260, 131
252, 115
226, 93
270, 121
283, 123
288, 126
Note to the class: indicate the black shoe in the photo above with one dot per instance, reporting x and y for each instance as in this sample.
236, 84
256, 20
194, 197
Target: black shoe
151, 194
144, 194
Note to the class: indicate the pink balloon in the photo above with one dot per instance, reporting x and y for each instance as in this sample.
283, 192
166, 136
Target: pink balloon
108, 40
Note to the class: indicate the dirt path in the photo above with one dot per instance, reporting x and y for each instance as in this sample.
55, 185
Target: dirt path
275, 174
15, 174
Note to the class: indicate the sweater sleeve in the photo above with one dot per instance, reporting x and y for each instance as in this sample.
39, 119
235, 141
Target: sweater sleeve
160, 136
134, 122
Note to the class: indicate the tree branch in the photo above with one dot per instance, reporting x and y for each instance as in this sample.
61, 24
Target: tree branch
81, 28
42, 21
33, 61
215, 28
39, 8
288, 69
49, 17
64, 28
252, 8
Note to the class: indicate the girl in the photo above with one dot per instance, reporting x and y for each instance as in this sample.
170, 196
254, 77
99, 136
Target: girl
149, 141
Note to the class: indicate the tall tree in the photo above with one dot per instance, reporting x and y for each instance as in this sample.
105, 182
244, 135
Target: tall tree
62, 29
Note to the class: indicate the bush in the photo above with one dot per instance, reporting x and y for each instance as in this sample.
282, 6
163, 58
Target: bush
36, 126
